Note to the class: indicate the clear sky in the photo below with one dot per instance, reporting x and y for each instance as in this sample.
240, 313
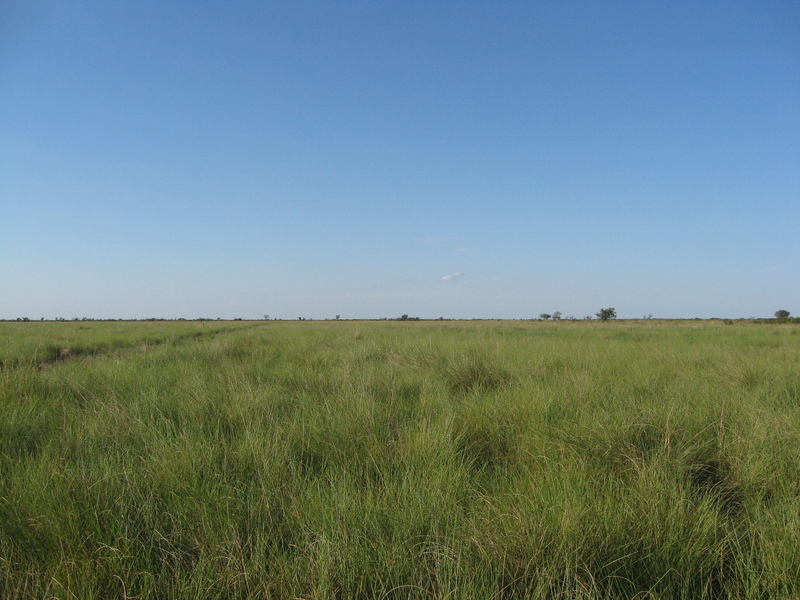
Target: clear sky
369, 159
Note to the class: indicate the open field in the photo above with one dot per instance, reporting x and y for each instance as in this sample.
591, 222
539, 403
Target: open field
435, 460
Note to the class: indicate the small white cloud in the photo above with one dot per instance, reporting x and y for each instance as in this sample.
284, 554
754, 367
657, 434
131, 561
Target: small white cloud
451, 277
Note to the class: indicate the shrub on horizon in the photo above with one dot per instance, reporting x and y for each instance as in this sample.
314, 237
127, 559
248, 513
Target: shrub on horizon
607, 313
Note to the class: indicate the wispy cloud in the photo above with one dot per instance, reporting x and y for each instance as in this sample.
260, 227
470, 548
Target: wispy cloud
451, 277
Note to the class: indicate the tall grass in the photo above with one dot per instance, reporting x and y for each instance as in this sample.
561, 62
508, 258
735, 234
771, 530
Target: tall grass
404, 460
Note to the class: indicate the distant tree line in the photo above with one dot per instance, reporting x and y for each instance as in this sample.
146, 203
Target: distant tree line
604, 314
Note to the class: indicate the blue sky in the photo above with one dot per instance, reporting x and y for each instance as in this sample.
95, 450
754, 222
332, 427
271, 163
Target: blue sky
370, 159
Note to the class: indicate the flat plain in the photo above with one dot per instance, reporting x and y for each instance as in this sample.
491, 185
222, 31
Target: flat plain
437, 460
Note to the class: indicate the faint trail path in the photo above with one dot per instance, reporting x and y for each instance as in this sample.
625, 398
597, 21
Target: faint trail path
61, 355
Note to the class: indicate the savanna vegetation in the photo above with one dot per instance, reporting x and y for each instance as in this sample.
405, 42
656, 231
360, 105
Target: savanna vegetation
431, 460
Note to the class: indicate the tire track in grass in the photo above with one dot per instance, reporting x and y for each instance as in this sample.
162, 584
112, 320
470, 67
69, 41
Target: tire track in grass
54, 354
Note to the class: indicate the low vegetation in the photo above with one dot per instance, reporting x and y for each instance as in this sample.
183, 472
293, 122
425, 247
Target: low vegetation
437, 460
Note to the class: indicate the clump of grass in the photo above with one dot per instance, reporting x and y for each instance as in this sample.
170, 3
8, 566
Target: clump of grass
489, 437
476, 373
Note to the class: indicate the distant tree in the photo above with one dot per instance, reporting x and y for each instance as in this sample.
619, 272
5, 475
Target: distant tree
404, 317
337, 317
266, 317
606, 313
556, 316
782, 314
545, 317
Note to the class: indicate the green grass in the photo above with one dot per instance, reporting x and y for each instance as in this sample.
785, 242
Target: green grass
440, 460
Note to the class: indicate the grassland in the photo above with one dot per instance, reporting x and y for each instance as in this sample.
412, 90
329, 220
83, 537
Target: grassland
454, 460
